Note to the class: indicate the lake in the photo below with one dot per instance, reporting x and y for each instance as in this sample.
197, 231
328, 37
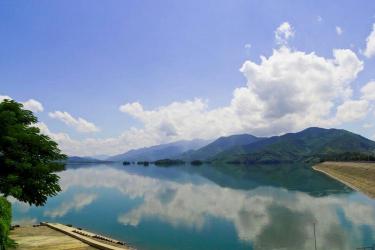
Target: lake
206, 207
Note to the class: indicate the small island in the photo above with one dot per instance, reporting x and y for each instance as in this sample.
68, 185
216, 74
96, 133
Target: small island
168, 162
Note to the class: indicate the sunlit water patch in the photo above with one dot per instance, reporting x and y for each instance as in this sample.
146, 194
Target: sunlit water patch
225, 207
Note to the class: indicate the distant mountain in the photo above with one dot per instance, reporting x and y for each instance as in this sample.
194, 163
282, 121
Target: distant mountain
80, 160
220, 145
163, 151
311, 144
99, 157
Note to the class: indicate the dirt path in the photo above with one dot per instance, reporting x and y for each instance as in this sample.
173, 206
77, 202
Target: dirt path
357, 175
45, 238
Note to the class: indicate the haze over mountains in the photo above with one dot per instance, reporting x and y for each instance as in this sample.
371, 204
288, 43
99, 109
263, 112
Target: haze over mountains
170, 150
311, 144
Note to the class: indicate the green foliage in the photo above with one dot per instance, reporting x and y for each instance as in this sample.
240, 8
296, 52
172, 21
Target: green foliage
28, 159
347, 156
5, 221
220, 145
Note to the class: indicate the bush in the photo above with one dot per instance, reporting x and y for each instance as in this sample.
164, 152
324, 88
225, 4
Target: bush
5, 221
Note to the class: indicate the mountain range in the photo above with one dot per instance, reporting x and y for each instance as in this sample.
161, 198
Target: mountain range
82, 160
218, 146
311, 144
171, 150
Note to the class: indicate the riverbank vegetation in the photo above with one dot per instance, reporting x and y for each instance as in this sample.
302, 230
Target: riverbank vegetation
5, 223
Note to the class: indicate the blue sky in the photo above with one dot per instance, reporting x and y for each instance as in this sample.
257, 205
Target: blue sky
87, 58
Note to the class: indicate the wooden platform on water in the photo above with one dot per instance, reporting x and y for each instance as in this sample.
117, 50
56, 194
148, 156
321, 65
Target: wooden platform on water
49, 236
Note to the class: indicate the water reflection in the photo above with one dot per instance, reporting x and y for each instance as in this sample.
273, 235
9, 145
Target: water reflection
266, 210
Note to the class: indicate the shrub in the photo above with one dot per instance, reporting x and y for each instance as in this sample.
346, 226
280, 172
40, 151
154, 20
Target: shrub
5, 221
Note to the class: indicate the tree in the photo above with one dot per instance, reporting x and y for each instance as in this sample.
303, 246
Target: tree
28, 159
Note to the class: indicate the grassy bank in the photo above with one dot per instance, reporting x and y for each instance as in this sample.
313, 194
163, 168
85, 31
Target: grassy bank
357, 175
5, 222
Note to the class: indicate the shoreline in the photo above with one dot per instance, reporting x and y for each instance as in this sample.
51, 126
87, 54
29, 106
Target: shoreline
94, 240
356, 175
47, 236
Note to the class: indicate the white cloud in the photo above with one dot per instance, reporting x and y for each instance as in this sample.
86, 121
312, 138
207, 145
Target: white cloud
368, 125
131, 138
283, 33
80, 124
368, 91
370, 43
33, 105
288, 91
352, 110
3, 97
339, 30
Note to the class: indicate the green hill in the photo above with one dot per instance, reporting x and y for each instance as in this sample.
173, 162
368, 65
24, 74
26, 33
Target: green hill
219, 145
311, 144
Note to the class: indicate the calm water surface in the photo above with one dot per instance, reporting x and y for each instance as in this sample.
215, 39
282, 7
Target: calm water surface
226, 207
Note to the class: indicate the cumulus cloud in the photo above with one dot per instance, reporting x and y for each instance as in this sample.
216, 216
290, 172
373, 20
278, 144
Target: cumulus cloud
130, 139
370, 44
80, 124
368, 125
368, 91
352, 110
339, 30
283, 33
31, 104
288, 91
3, 97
